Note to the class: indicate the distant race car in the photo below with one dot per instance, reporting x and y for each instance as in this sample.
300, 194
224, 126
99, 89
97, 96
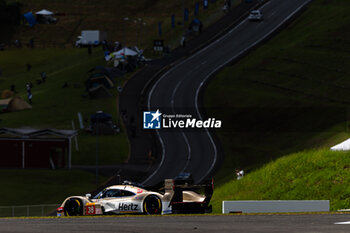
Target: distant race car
255, 15
130, 198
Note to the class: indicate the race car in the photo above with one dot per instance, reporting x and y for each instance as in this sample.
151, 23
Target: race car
255, 15
131, 198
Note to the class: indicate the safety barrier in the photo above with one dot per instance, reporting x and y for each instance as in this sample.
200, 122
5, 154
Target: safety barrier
27, 210
275, 206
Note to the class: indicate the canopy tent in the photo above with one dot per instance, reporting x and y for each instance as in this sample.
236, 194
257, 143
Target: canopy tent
125, 52
111, 72
101, 117
35, 133
121, 54
45, 16
196, 21
14, 104
30, 18
44, 12
342, 146
102, 123
99, 91
99, 79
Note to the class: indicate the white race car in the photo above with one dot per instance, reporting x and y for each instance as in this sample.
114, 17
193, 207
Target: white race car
255, 15
131, 198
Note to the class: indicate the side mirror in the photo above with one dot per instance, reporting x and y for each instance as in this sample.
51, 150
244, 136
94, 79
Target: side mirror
88, 195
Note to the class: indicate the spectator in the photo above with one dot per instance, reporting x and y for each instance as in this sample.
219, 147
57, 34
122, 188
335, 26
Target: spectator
104, 45
117, 46
18, 44
31, 43
65, 85
228, 2
30, 96
28, 87
13, 88
43, 76
183, 41
227, 5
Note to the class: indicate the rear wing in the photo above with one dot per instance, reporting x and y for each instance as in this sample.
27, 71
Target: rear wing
174, 193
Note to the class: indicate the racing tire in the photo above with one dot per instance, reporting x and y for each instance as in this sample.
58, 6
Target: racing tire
152, 205
73, 207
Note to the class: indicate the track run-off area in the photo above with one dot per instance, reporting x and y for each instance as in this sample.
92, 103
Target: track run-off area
321, 223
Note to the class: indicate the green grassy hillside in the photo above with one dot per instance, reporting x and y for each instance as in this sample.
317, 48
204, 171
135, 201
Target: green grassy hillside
32, 187
289, 95
140, 29
56, 107
307, 175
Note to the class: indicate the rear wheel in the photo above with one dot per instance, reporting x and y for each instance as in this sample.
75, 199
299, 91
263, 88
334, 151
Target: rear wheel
152, 205
73, 207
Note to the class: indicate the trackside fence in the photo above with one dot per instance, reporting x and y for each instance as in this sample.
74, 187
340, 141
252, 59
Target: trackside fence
28, 210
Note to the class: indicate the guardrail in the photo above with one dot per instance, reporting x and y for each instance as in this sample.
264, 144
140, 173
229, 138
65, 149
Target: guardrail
275, 206
28, 210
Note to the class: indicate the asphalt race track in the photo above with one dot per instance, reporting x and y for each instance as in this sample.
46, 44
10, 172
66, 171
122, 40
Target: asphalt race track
322, 223
177, 92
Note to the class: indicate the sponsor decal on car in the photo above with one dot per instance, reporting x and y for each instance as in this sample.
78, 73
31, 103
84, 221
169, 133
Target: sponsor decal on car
127, 207
93, 209
90, 210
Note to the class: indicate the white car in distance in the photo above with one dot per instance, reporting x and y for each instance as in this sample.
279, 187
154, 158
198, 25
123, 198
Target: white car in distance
255, 15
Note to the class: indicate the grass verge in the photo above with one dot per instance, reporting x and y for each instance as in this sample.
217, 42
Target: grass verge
307, 175
44, 186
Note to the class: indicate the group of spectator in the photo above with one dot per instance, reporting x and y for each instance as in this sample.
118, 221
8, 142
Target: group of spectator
29, 85
30, 44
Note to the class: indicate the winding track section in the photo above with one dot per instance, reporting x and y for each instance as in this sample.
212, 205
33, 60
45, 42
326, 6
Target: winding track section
177, 92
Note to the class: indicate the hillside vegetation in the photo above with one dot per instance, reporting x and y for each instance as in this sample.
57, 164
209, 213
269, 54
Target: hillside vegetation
307, 175
44, 187
289, 95
55, 106
132, 22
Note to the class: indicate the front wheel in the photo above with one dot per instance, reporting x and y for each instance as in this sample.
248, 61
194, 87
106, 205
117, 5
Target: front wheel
152, 205
73, 207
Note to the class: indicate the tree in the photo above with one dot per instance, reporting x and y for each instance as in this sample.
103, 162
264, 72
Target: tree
10, 14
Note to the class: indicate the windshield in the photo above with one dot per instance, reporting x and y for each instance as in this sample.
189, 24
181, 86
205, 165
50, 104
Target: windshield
98, 195
113, 193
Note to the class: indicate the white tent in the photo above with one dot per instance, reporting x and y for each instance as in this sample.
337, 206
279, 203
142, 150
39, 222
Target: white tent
44, 12
342, 146
125, 52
